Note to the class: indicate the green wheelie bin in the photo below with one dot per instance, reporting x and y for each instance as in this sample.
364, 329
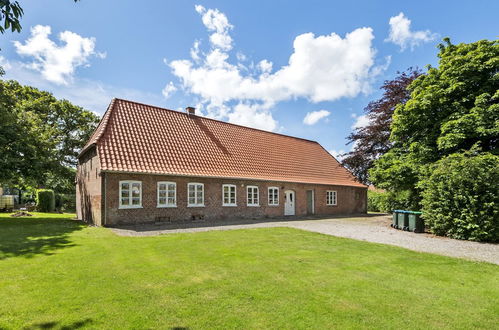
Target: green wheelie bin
394, 219
402, 220
416, 223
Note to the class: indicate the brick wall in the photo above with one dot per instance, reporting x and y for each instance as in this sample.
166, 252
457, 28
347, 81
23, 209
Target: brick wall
349, 200
89, 188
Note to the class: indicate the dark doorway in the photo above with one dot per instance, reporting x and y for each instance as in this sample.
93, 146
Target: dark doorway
310, 202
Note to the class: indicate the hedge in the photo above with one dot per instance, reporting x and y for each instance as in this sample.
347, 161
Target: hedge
378, 201
45, 200
461, 197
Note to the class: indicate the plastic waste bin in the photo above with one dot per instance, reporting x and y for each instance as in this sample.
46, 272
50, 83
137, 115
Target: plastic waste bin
416, 223
402, 220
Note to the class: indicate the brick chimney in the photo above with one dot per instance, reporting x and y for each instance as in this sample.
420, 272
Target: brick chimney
190, 111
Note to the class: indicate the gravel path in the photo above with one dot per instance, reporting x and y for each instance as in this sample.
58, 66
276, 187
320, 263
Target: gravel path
372, 229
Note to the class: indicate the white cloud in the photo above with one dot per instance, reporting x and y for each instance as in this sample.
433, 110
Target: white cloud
252, 115
313, 117
338, 154
321, 68
195, 51
401, 34
216, 22
57, 63
168, 90
360, 121
89, 94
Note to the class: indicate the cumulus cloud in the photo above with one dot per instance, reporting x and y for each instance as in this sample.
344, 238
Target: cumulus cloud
320, 68
216, 22
252, 115
401, 34
57, 63
360, 121
89, 94
168, 90
312, 118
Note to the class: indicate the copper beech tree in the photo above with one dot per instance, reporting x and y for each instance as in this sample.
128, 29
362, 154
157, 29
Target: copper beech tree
373, 140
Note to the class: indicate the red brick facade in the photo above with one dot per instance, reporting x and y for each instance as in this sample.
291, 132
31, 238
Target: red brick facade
89, 188
133, 139
105, 210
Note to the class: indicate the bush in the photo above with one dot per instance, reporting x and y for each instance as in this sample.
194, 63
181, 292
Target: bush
65, 202
389, 201
461, 197
45, 200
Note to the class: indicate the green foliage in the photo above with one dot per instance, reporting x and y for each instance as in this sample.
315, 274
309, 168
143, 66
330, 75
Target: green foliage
10, 13
65, 202
40, 137
45, 200
461, 197
388, 201
452, 109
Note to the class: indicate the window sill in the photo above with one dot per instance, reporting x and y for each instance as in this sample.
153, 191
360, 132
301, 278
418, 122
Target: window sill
166, 206
229, 205
253, 205
273, 205
196, 205
129, 207
332, 205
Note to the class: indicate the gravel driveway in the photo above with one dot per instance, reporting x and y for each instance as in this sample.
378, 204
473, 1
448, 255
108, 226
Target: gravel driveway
365, 228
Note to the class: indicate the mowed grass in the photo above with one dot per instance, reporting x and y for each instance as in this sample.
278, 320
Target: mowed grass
60, 274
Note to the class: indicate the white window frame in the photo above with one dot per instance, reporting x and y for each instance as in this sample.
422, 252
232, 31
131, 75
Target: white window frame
252, 199
130, 206
167, 183
333, 199
274, 203
195, 184
230, 192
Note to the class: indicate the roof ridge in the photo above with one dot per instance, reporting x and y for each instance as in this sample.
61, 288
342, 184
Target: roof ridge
220, 121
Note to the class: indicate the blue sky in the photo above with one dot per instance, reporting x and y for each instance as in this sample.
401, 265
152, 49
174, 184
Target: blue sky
303, 68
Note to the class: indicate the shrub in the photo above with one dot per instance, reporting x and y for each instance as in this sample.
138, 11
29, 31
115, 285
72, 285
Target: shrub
389, 201
45, 200
65, 202
461, 197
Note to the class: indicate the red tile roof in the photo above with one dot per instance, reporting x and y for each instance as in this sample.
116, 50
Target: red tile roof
139, 138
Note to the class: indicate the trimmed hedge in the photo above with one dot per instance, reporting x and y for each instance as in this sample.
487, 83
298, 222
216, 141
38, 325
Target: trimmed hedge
45, 200
389, 201
461, 197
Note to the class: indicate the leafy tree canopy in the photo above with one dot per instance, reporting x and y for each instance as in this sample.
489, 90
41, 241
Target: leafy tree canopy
452, 108
40, 137
373, 140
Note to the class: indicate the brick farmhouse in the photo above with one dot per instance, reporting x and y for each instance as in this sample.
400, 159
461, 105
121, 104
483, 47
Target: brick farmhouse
149, 164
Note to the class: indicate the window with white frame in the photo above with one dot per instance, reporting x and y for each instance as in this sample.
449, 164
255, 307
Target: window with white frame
229, 195
195, 194
331, 197
273, 196
130, 194
252, 196
167, 194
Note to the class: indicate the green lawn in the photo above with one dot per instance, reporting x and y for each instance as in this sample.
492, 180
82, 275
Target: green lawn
57, 273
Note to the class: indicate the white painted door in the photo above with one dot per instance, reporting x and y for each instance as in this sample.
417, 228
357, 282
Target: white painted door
289, 202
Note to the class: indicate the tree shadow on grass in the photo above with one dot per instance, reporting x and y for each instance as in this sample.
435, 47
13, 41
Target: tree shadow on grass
57, 325
29, 237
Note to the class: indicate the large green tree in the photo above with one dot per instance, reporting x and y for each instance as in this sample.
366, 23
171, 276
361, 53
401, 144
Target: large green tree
453, 108
40, 137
